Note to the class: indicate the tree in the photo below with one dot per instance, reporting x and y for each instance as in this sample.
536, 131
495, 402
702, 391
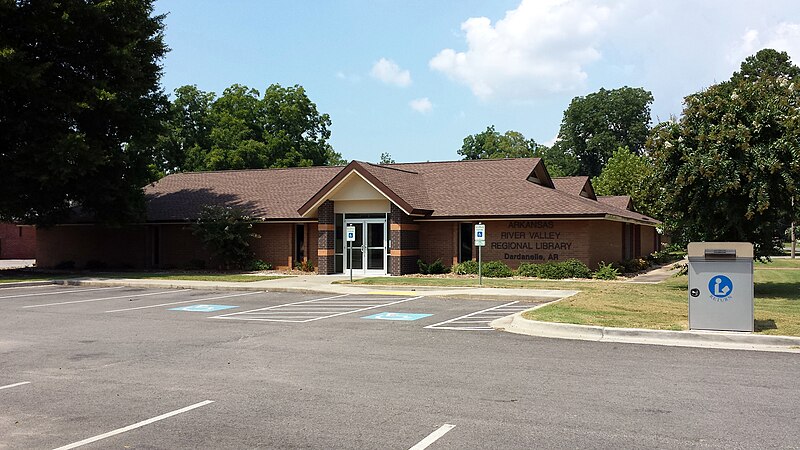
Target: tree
595, 126
226, 233
559, 164
80, 107
490, 144
386, 158
242, 130
732, 161
629, 174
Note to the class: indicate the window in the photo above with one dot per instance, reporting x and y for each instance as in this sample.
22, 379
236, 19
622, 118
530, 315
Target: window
299, 243
465, 242
338, 244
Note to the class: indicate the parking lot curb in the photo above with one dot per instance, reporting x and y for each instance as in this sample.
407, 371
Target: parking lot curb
27, 284
184, 285
704, 339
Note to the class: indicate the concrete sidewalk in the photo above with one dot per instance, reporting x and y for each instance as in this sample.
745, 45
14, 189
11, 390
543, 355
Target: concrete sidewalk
323, 284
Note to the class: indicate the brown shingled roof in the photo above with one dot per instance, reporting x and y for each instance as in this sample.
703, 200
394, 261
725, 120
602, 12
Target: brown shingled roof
267, 193
435, 190
575, 186
617, 201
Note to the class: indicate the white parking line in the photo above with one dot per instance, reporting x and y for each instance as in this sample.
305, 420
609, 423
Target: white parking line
14, 385
186, 301
65, 291
433, 437
224, 316
134, 426
106, 298
31, 286
322, 308
472, 321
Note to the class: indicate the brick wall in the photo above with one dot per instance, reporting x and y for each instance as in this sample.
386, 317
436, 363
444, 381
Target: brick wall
648, 240
325, 241
404, 234
178, 247
535, 241
605, 241
276, 245
518, 241
116, 247
439, 240
312, 243
17, 242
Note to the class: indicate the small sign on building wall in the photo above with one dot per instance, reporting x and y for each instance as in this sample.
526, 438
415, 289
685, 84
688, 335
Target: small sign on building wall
351, 233
480, 235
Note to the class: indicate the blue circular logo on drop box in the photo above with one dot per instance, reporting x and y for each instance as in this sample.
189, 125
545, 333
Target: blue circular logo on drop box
720, 286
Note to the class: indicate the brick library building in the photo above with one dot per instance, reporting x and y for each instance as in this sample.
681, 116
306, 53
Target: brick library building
401, 213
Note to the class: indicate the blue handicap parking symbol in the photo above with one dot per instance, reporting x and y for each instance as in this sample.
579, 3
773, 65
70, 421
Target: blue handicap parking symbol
720, 286
480, 233
203, 308
397, 316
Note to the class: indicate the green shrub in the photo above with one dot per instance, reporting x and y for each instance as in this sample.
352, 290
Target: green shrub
606, 272
577, 269
528, 270
226, 232
665, 256
571, 268
305, 266
634, 265
466, 268
258, 264
435, 268
496, 269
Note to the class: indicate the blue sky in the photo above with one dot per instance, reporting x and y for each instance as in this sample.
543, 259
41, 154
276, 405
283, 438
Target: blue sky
413, 78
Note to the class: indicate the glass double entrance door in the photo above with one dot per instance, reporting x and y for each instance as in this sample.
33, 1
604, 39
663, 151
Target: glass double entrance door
368, 254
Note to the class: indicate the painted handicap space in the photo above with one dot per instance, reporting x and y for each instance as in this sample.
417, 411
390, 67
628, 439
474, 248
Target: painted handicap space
202, 308
397, 316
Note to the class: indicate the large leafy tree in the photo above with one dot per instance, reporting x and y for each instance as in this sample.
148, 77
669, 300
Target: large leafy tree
627, 173
80, 107
490, 144
732, 161
243, 130
595, 126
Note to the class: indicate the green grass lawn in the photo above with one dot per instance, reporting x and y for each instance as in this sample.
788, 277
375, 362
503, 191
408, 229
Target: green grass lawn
11, 276
662, 306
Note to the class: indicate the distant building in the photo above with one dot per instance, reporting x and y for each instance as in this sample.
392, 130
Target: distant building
401, 213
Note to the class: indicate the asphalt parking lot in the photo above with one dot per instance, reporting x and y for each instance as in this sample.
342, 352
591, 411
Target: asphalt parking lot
143, 368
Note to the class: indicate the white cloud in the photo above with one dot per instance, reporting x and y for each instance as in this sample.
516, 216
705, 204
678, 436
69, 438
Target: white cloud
352, 78
421, 105
541, 47
389, 72
785, 37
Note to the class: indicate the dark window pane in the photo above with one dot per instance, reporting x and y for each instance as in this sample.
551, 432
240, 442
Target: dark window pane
357, 259
339, 234
375, 235
465, 242
375, 259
